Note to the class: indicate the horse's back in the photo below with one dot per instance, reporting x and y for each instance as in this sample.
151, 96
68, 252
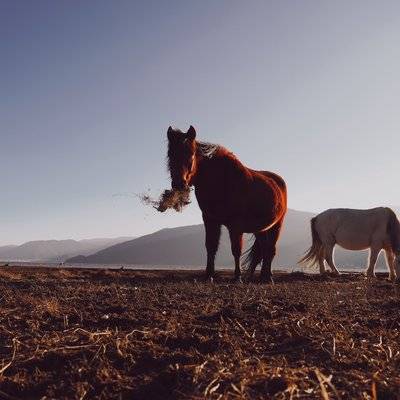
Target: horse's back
276, 178
353, 229
352, 214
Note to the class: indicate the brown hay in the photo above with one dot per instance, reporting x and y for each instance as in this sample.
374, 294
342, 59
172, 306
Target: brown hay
176, 199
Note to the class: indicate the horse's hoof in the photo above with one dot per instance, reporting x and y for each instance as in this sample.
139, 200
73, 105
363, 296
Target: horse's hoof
369, 274
397, 281
392, 278
237, 279
209, 279
248, 276
267, 279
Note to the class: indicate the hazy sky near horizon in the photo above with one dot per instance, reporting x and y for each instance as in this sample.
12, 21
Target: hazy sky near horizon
308, 89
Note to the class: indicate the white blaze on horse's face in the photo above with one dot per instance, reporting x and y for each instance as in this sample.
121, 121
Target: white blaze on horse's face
181, 157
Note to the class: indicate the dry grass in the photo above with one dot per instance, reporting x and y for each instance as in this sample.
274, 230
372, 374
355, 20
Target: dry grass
131, 334
169, 199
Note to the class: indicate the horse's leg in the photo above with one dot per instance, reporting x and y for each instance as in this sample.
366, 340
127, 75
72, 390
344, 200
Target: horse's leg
329, 258
390, 263
236, 246
321, 263
251, 269
270, 251
213, 233
396, 264
373, 255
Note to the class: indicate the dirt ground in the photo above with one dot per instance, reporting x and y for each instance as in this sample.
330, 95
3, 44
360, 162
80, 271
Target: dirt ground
85, 334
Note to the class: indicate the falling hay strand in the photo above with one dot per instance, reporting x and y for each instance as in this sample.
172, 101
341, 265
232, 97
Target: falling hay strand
176, 199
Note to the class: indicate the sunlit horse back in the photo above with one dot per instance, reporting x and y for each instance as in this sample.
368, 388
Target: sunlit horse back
229, 194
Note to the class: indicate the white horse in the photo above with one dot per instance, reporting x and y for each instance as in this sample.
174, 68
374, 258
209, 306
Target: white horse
376, 229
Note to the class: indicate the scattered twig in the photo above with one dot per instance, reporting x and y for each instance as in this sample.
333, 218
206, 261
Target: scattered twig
2, 370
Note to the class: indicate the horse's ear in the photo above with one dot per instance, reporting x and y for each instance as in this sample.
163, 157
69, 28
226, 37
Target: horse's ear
191, 133
170, 133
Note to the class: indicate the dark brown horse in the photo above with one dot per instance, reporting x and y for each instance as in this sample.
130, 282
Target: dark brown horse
230, 194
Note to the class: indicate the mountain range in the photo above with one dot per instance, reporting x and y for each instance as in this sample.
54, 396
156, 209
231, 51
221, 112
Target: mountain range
56, 250
181, 246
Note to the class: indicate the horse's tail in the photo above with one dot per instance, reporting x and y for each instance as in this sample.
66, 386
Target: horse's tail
315, 252
253, 255
393, 230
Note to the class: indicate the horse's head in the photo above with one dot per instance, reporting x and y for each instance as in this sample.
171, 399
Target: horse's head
181, 157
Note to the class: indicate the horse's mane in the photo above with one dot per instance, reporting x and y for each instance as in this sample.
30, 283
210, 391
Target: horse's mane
210, 150
206, 149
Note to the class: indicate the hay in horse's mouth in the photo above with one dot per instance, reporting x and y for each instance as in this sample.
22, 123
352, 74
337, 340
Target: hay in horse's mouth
176, 199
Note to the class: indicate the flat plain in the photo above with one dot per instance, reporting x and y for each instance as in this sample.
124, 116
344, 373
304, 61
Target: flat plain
122, 334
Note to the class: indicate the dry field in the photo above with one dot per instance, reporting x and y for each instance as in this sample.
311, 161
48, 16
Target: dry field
81, 334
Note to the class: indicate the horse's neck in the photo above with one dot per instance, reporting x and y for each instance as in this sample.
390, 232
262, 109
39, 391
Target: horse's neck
218, 165
206, 158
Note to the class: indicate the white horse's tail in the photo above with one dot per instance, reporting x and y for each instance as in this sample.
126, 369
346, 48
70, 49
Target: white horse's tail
315, 252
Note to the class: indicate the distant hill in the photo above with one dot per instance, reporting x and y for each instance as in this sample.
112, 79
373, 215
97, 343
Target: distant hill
185, 246
56, 250
7, 248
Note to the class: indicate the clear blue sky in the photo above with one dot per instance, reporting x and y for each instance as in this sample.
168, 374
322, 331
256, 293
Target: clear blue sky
309, 89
